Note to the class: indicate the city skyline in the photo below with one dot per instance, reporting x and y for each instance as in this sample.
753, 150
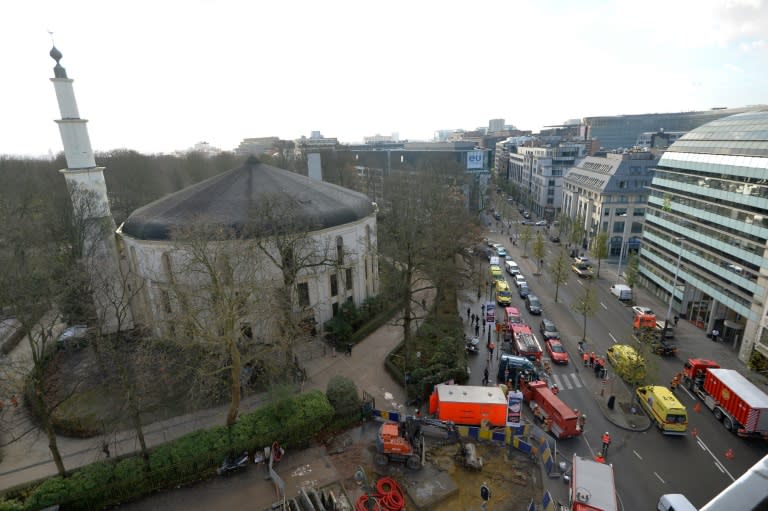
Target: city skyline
158, 77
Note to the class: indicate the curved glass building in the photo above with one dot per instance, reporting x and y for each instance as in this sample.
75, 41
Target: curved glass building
706, 230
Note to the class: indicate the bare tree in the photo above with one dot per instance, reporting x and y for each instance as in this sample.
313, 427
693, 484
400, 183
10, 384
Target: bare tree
526, 236
586, 306
559, 270
600, 249
539, 251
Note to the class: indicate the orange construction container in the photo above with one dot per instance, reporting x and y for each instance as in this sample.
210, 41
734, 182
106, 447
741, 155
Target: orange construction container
469, 405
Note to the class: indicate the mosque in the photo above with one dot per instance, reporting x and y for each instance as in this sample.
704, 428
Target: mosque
141, 259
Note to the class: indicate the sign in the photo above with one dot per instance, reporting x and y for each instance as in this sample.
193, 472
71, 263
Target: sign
514, 408
474, 160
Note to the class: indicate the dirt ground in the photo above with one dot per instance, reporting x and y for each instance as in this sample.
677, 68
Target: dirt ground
513, 478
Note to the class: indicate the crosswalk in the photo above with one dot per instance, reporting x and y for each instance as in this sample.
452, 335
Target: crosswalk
567, 381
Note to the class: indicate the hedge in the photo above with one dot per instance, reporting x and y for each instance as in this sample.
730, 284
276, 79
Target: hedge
292, 422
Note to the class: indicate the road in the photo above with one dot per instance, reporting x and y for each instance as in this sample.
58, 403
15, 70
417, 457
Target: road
647, 464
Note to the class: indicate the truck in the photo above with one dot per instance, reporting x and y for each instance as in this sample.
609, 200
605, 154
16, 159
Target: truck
512, 368
525, 343
560, 420
469, 405
650, 330
591, 487
734, 400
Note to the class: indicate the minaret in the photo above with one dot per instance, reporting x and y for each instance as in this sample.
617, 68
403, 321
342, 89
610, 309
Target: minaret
88, 191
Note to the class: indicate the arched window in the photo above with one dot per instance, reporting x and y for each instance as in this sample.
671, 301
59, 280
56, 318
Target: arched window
339, 250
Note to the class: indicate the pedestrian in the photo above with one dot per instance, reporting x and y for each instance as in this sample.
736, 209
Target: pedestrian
715, 334
485, 376
349, 349
483, 324
592, 359
491, 347
677, 318
482, 310
468, 310
606, 442
585, 358
674, 383
105, 448
472, 319
477, 330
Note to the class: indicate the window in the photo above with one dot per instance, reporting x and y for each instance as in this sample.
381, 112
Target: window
334, 285
335, 308
606, 211
348, 278
621, 211
622, 184
339, 250
618, 227
638, 212
302, 290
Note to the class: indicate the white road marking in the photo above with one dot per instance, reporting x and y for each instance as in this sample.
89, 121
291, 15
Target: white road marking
576, 380
718, 463
603, 306
687, 392
659, 478
638, 456
612, 338
566, 382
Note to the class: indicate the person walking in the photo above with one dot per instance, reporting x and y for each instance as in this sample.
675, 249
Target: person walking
349, 349
472, 319
477, 330
592, 359
675, 382
468, 311
585, 358
715, 334
677, 318
485, 376
606, 443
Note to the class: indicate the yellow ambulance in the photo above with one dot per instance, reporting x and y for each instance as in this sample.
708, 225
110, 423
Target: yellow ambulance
503, 294
664, 409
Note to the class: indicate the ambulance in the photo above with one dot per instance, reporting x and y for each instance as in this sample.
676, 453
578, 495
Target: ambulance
664, 409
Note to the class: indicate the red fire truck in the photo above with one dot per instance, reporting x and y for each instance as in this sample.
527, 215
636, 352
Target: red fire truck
592, 487
525, 342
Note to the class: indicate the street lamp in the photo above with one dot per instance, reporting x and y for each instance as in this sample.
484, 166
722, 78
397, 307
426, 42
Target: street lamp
621, 249
674, 283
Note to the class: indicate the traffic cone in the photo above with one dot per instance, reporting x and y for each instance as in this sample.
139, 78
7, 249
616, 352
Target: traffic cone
697, 407
729, 454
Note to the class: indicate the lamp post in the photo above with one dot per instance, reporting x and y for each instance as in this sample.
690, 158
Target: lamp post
674, 283
621, 249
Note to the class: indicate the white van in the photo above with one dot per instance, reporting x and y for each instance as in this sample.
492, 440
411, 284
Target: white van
512, 267
622, 292
675, 502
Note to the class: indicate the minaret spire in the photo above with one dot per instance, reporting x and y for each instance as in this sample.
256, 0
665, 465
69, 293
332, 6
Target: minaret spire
88, 191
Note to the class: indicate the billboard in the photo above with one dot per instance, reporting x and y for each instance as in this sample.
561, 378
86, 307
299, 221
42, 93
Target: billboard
474, 160
514, 408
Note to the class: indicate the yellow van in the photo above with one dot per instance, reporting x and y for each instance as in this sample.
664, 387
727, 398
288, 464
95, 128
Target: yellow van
496, 273
664, 408
503, 294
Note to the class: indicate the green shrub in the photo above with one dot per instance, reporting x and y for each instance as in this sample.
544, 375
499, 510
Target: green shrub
342, 394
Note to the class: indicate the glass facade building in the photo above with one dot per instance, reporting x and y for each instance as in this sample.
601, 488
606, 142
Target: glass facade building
706, 229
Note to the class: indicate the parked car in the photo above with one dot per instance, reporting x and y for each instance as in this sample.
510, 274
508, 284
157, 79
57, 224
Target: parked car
528, 222
533, 304
73, 337
523, 290
637, 310
512, 267
556, 351
526, 214
541, 223
501, 252
548, 329
520, 279
554, 238
497, 216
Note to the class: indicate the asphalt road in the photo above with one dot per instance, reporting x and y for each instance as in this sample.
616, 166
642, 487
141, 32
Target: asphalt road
646, 464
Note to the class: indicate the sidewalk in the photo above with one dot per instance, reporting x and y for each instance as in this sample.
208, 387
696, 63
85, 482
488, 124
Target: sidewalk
29, 458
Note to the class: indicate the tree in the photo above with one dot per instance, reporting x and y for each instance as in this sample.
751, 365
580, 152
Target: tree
600, 249
632, 271
526, 236
577, 232
586, 306
342, 394
560, 269
539, 251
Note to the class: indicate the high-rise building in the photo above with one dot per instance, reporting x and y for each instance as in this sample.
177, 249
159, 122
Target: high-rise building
622, 131
706, 230
495, 125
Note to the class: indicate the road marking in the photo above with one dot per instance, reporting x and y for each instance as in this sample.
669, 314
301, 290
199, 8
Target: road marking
638, 456
701, 444
603, 306
660, 479
688, 392
576, 380
718, 463
567, 382
612, 338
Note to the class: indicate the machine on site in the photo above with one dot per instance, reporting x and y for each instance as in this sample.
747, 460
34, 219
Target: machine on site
734, 400
402, 442
648, 329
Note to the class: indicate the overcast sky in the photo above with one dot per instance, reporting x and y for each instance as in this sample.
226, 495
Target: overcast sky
163, 75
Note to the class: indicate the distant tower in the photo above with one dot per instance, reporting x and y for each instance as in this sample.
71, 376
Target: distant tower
88, 190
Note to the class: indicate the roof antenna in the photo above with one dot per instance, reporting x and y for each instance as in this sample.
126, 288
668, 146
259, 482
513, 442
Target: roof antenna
50, 33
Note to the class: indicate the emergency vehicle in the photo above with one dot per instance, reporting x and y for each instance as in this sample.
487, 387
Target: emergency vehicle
592, 487
663, 407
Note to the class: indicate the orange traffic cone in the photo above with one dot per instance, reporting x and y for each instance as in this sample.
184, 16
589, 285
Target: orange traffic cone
729, 454
697, 407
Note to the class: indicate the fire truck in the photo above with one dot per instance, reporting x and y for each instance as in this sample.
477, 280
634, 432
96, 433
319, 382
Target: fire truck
734, 400
525, 343
559, 419
591, 486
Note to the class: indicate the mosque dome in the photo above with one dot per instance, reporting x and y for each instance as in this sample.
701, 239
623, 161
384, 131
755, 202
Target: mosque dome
230, 199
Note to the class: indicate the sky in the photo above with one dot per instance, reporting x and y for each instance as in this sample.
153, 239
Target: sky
164, 75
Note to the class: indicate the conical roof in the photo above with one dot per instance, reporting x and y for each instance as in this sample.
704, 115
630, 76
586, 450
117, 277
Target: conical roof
231, 198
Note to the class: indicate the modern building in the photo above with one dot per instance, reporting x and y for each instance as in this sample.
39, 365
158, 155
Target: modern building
537, 172
495, 125
658, 139
316, 142
706, 230
608, 193
621, 131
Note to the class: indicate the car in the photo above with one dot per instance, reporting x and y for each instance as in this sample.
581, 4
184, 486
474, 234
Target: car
554, 238
638, 310
533, 304
583, 270
627, 363
490, 243
75, 336
523, 290
528, 222
526, 214
556, 351
548, 329
520, 279
501, 252
541, 223
581, 260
